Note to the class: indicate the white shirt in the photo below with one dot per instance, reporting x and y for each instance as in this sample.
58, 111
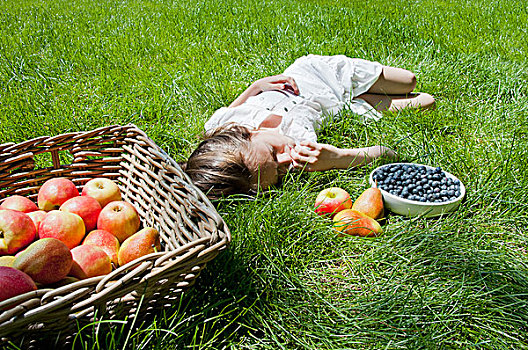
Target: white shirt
326, 84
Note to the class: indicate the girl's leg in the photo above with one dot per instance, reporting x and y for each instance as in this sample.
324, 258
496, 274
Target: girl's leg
397, 102
394, 81
392, 91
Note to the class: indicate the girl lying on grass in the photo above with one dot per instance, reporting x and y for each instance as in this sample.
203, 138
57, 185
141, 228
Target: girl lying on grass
271, 127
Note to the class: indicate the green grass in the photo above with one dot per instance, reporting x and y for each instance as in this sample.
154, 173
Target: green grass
287, 281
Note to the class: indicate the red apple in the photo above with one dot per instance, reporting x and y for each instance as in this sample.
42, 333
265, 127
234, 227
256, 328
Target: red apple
332, 200
64, 226
120, 219
18, 203
87, 208
102, 189
89, 261
106, 241
14, 282
54, 192
37, 217
16, 231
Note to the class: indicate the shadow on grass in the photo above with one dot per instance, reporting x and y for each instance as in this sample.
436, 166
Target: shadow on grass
216, 310
221, 304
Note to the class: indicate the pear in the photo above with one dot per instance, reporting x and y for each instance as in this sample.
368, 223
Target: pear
143, 242
46, 261
7, 260
356, 223
370, 202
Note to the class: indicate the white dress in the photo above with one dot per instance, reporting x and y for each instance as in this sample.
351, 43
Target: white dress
327, 84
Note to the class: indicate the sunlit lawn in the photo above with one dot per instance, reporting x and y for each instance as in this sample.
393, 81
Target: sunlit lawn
287, 281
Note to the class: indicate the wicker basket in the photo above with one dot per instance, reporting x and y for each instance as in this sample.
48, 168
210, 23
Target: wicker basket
192, 233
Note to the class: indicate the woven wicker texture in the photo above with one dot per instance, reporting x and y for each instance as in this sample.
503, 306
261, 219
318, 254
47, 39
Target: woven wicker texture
192, 233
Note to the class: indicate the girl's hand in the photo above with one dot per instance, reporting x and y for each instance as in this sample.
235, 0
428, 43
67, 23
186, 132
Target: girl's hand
276, 82
313, 156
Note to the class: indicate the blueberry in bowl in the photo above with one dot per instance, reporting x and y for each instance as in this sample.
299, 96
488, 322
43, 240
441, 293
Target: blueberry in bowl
412, 189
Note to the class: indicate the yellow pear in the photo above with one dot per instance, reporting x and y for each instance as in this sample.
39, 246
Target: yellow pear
370, 202
143, 242
7, 260
356, 223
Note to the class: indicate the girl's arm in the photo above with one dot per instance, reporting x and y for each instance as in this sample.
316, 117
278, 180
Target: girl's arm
276, 82
312, 156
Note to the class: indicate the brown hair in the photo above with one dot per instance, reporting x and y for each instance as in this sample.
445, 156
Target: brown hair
217, 165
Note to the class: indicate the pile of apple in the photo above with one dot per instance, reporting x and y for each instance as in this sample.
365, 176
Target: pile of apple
68, 236
358, 218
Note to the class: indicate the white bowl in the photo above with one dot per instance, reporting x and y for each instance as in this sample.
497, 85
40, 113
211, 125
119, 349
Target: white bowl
409, 207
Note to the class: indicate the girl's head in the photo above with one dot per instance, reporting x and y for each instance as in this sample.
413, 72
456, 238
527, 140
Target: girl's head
236, 159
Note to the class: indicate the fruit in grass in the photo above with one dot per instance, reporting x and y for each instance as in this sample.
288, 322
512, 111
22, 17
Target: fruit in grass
120, 218
356, 223
331, 201
18, 203
36, 217
103, 190
16, 231
46, 261
87, 208
14, 282
54, 192
139, 244
64, 226
106, 241
89, 261
370, 202
7, 260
